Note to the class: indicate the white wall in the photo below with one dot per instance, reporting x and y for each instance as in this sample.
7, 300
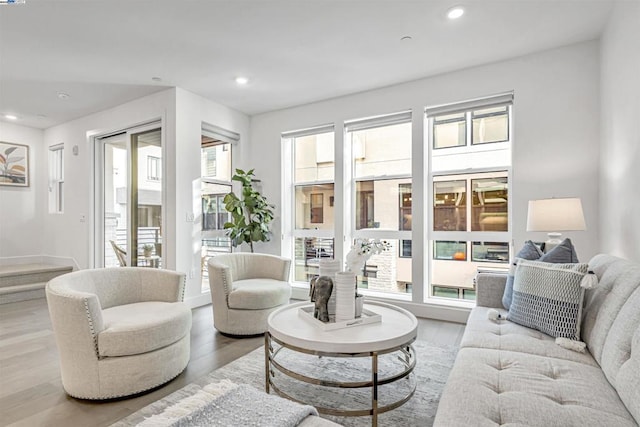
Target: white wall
21, 207
64, 234
182, 114
556, 129
620, 133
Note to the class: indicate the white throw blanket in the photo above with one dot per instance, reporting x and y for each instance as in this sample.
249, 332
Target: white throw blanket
228, 404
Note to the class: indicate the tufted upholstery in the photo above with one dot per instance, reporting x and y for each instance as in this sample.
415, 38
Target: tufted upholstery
506, 374
245, 289
119, 331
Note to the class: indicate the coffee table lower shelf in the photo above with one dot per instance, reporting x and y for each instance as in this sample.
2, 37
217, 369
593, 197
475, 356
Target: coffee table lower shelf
406, 358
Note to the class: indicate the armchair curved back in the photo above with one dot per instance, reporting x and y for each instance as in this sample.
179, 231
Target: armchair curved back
244, 266
120, 286
76, 300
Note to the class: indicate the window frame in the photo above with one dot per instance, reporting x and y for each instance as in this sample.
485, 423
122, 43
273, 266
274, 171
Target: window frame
444, 171
290, 188
354, 150
56, 166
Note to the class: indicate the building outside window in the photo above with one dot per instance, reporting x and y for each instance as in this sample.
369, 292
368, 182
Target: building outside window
154, 168
214, 215
405, 217
56, 178
317, 212
381, 166
470, 164
312, 195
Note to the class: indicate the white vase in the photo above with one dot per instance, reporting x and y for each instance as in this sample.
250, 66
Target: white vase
345, 296
359, 304
329, 267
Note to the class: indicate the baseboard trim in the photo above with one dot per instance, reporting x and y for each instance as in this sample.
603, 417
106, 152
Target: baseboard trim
198, 300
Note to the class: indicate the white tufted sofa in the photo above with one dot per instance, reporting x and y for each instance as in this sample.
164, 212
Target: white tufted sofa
119, 331
506, 374
245, 289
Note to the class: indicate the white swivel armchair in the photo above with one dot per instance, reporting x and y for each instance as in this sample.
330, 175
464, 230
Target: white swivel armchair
245, 289
119, 331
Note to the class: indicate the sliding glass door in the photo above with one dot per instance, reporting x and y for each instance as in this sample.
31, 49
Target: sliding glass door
129, 205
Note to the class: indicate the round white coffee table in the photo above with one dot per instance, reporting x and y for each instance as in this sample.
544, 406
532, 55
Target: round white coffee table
395, 333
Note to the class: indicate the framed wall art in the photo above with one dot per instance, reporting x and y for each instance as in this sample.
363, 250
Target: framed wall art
14, 164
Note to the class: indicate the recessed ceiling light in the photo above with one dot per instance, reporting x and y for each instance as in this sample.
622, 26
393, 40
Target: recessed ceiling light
63, 95
242, 80
455, 12
156, 79
10, 117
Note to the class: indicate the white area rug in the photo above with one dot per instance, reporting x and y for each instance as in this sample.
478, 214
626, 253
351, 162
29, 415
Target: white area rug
431, 372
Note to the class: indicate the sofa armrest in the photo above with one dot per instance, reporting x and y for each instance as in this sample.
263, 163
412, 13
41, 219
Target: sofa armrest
489, 289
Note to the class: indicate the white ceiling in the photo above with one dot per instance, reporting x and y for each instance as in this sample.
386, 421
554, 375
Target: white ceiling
105, 52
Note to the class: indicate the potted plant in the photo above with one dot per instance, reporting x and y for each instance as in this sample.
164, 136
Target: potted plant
147, 249
251, 214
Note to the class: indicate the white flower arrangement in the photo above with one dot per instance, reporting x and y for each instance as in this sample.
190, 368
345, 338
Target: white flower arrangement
362, 250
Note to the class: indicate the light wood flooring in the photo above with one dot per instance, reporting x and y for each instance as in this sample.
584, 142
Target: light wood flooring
31, 391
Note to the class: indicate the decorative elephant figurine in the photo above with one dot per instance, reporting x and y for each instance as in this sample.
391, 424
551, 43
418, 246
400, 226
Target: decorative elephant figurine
320, 292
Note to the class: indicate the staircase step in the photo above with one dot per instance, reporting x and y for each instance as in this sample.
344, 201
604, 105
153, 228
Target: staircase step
24, 274
16, 293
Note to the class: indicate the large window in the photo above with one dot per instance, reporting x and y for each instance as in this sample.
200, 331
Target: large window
470, 209
216, 173
454, 220
381, 159
56, 178
313, 199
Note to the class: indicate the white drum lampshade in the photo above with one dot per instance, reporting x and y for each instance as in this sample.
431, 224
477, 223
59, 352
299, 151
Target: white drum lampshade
555, 215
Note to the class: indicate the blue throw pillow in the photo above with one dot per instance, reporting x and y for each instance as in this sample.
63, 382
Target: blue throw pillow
562, 254
529, 252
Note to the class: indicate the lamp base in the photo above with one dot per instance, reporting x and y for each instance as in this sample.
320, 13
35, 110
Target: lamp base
553, 241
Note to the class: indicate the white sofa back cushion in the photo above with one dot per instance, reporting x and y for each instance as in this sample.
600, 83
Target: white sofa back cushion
611, 323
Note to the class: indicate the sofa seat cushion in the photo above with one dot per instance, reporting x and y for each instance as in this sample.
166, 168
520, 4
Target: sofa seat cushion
142, 327
494, 387
506, 335
259, 294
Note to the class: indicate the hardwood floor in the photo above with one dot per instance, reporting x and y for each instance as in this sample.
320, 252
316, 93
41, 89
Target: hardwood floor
31, 391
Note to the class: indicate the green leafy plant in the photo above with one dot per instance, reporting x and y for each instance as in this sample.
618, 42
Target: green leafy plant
251, 214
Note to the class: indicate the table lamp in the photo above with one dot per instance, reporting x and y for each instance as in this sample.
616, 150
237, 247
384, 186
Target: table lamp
553, 216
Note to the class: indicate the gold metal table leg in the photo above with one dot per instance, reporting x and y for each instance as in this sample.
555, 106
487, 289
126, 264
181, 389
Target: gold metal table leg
267, 357
374, 390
